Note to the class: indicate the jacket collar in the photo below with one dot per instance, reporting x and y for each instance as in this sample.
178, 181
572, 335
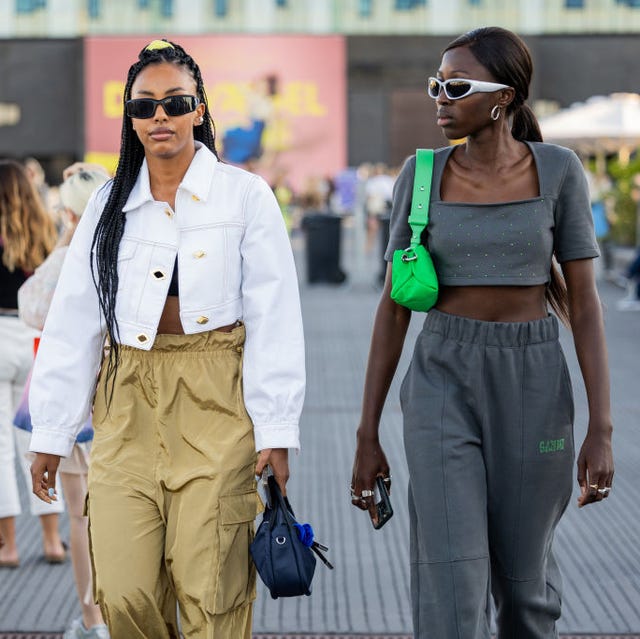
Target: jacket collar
197, 179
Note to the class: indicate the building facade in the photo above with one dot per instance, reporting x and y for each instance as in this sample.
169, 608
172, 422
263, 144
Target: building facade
580, 48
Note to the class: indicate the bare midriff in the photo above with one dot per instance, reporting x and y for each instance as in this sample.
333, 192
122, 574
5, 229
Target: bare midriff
170, 319
494, 303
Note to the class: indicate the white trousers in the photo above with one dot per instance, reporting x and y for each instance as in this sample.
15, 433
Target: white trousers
16, 358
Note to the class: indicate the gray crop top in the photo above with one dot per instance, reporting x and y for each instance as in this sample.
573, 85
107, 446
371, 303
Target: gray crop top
510, 243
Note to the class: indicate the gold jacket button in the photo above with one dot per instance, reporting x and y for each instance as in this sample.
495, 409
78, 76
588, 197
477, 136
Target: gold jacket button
195, 198
142, 338
168, 212
202, 319
199, 254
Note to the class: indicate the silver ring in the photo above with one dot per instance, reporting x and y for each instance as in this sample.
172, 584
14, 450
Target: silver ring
604, 491
387, 480
366, 493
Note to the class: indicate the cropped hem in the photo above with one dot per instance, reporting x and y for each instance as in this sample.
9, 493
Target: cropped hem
493, 281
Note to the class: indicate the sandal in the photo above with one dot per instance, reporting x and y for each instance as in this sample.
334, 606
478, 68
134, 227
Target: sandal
58, 559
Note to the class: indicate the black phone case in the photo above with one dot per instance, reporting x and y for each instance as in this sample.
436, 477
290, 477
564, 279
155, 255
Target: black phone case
385, 511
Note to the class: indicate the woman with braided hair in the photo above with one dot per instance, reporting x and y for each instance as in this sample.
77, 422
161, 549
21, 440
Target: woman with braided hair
177, 318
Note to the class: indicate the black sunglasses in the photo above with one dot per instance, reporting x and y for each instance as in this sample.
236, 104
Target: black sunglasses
143, 108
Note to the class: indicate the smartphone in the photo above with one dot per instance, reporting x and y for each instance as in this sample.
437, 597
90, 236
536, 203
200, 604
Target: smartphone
383, 503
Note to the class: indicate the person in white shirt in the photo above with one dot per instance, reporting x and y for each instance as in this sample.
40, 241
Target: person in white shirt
34, 299
177, 320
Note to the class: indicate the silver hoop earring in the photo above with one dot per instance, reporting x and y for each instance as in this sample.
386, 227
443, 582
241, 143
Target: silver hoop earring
495, 113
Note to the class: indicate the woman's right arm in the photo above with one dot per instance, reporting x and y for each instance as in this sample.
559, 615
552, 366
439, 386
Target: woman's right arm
68, 360
389, 332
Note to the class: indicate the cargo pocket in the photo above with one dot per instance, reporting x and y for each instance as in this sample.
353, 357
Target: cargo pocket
234, 572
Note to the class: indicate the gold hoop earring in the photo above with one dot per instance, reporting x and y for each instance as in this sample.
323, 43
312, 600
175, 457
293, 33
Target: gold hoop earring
495, 113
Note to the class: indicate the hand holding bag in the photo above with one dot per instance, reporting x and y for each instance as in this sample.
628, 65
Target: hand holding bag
414, 282
283, 550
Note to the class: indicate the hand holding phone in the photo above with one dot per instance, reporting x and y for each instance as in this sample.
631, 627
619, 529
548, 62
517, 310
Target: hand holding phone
383, 503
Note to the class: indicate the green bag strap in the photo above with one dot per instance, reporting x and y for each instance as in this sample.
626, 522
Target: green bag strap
419, 216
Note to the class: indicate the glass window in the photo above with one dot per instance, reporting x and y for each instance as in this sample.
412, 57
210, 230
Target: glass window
28, 6
364, 8
281, 4
574, 4
220, 8
144, 4
402, 5
166, 8
93, 8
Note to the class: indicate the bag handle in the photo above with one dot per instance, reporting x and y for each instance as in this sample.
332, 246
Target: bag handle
276, 497
419, 216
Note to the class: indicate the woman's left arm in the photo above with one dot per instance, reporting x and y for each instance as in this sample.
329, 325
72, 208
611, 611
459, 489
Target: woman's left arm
274, 366
595, 460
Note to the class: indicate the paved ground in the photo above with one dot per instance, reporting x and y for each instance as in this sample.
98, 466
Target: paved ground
368, 593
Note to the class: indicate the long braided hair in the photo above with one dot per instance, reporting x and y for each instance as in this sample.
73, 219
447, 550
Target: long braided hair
110, 227
508, 60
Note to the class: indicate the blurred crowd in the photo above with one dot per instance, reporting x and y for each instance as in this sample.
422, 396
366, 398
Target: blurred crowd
37, 223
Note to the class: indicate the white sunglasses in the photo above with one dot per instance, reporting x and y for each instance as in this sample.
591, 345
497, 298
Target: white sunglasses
457, 88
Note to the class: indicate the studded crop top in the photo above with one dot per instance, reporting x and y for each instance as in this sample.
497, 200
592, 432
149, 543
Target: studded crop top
509, 243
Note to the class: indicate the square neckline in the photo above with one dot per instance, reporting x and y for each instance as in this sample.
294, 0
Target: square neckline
448, 152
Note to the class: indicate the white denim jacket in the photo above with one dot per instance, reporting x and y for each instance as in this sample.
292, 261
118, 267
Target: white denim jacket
234, 262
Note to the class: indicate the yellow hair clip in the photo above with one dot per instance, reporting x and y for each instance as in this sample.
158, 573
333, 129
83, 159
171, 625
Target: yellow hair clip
158, 44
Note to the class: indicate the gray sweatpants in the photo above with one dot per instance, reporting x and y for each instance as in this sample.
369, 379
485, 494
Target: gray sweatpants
488, 429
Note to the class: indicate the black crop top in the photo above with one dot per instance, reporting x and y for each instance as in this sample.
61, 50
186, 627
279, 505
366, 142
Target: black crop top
173, 287
10, 282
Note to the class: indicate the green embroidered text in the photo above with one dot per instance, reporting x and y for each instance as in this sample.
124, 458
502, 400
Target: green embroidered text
551, 445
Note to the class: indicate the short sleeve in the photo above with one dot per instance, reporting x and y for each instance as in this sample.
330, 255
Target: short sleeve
574, 237
399, 229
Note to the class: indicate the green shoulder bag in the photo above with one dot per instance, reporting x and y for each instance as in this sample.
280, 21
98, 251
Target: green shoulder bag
414, 282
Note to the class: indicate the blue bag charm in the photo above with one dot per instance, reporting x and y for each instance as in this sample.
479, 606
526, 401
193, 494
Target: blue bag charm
305, 533
283, 550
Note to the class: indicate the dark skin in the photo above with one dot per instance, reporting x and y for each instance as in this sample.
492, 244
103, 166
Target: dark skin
169, 147
490, 167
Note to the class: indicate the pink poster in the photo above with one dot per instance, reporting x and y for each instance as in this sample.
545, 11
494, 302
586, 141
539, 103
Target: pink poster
278, 102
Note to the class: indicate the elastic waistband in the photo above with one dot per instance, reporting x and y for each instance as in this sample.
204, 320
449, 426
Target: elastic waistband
464, 329
195, 343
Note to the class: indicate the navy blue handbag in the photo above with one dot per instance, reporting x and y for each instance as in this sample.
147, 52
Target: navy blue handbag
283, 550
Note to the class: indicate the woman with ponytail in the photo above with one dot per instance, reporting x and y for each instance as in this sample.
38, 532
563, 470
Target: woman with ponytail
487, 400
176, 320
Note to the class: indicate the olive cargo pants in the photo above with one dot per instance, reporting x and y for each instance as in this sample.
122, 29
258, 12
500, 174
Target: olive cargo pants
172, 492
488, 426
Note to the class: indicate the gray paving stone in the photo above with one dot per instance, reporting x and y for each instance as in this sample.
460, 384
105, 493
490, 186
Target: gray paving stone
368, 592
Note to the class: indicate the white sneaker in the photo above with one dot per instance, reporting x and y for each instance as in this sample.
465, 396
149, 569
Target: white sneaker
78, 631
